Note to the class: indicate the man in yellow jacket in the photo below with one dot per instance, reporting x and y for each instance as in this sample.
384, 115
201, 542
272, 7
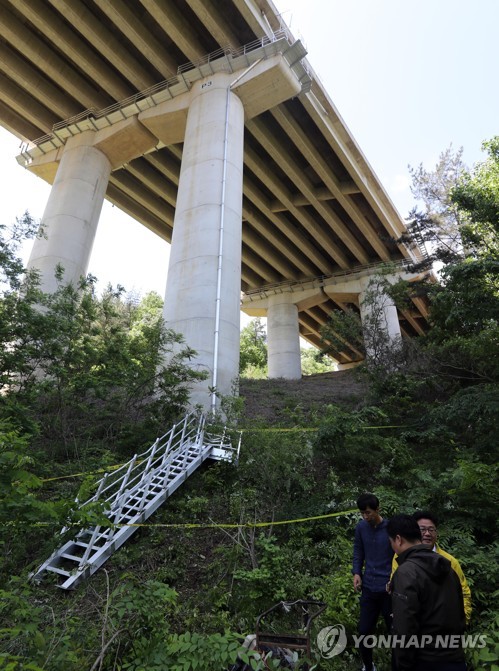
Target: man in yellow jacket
427, 523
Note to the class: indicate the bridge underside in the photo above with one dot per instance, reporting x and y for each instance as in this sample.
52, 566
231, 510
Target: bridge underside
312, 207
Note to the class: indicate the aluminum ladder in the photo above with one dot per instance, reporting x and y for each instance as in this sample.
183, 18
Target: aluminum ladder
132, 493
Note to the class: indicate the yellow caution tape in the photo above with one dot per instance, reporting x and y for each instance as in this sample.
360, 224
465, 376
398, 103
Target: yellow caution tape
80, 475
277, 429
308, 428
215, 525
251, 525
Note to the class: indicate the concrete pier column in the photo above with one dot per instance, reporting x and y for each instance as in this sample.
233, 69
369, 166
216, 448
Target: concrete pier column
379, 319
72, 213
283, 338
204, 275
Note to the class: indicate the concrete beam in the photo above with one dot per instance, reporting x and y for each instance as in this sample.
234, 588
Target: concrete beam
311, 298
144, 171
254, 17
321, 193
302, 297
412, 321
39, 116
269, 83
49, 23
124, 141
292, 232
281, 155
249, 277
278, 236
121, 143
167, 121
350, 353
264, 270
16, 124
217, 25
139, 35
307, 220
165, 164
105, 43
310, 323
156, 205
33, 79
260, 246
14, 32
177, 26
125, 201
328, 121
295, 132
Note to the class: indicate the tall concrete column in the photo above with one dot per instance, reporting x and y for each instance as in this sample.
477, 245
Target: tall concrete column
204, 275
283, 338
72, 213
379, 318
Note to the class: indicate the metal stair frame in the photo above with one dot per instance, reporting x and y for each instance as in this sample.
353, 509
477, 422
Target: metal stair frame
133, 493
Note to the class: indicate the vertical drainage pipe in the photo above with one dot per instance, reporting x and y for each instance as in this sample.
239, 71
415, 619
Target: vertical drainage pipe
220, 259
221, 242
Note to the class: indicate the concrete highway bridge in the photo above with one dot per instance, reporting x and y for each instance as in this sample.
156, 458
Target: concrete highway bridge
203, 120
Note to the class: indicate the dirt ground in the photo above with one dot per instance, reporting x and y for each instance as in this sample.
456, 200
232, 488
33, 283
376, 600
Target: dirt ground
292, 401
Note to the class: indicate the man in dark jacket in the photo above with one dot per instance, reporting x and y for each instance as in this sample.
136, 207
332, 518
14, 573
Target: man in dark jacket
427, 604
372, 560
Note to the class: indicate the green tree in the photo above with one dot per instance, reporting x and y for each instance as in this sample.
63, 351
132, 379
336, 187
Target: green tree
11, 239
77, 369
477, 196
465, 305
253, 346
313, 362
20, 507
343, 333
437, 226
453, 377
368, 337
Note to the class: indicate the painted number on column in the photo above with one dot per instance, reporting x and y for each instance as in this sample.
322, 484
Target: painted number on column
206, 84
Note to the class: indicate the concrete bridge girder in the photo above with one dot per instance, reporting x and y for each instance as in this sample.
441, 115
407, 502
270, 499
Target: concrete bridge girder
41, 15
104, 41
264, 137
293, 130
139, 35
322, 265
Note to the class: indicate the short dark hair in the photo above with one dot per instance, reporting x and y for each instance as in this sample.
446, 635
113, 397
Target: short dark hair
404, 526
425, 515
368, 501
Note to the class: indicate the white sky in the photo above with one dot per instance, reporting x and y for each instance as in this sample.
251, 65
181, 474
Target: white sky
409, 77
